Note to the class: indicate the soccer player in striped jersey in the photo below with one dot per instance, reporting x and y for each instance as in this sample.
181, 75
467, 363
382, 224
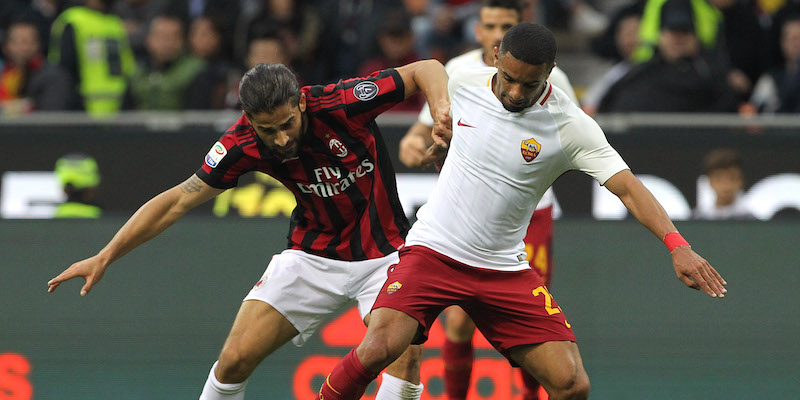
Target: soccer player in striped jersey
495, 18
323, 144
515, 134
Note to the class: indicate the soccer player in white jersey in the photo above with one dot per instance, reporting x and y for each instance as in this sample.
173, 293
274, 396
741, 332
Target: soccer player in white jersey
515, 134
495, 18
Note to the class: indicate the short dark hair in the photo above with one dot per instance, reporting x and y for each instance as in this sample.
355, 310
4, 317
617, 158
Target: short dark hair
723, 158
266, 87
530, 43
515, 5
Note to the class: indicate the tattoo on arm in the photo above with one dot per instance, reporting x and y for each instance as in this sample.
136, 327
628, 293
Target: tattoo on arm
191, 185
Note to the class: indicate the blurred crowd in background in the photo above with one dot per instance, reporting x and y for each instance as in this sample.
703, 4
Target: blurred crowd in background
103, 56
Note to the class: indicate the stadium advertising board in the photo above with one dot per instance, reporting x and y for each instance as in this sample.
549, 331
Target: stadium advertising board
137, 162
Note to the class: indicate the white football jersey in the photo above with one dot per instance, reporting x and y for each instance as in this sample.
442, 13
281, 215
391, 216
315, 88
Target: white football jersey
473, 59
499, 165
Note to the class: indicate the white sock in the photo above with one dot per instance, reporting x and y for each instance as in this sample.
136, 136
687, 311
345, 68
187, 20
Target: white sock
214, 390
393, 388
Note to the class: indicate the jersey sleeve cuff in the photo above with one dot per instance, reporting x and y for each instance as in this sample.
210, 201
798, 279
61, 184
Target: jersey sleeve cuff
210, 181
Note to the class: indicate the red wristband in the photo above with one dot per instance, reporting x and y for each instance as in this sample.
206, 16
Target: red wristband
673, 240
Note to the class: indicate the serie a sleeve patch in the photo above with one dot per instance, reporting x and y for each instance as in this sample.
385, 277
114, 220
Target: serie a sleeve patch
216, 154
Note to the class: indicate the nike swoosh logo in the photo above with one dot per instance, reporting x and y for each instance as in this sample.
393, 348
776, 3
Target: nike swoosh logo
460, 123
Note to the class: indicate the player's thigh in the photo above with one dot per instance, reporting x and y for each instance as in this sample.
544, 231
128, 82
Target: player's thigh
420, 286
304, 288
458, 324
368, 277
388, 335
557, 365
258, 330
515, 309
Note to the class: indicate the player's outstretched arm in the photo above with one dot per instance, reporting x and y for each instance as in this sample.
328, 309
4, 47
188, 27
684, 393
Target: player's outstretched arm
151, 219
430, 77
691, 269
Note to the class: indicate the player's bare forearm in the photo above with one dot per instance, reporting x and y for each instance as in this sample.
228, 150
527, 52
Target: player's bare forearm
151, 219
694, 271
429, 77
158, 214
641, 203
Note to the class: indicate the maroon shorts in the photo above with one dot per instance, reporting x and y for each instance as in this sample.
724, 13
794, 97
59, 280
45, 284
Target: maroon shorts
510, 308
539, 243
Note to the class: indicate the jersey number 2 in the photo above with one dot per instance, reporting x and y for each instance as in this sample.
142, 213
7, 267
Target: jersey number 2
548, 302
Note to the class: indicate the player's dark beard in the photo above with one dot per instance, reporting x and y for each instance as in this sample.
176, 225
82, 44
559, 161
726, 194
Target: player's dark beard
292, 146
287, 151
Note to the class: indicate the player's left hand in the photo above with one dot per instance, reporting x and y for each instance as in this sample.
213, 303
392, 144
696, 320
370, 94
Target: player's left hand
695, 272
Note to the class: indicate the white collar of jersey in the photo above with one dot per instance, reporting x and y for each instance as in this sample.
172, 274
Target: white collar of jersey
548, 90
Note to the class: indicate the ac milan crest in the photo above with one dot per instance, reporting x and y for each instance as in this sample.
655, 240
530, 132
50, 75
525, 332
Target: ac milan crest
338, 148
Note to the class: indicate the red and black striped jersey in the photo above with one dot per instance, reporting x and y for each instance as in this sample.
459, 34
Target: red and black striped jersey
342, 176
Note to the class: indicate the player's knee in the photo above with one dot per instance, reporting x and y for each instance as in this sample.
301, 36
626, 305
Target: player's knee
235, 365
380, 350
575, 387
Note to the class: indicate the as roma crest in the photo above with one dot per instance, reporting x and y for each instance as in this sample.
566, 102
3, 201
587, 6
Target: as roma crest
530, 149
393, 288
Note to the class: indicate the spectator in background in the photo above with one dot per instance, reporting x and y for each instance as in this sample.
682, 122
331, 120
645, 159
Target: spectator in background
348, 31
729, 36
205, 39
162, 79
607, 45
266, 49
724, 172
743, 43
79, 176
137, 14
447, 30
41, 13
209, 88
619, 44
778, 90
679, 78
396, 44
92, 46
296, 24
706, 20
226, 12
785, 10
581, 16
27, 81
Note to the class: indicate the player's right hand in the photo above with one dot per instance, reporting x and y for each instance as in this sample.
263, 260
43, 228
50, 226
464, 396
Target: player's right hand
90, 269
442, 125
412, 150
